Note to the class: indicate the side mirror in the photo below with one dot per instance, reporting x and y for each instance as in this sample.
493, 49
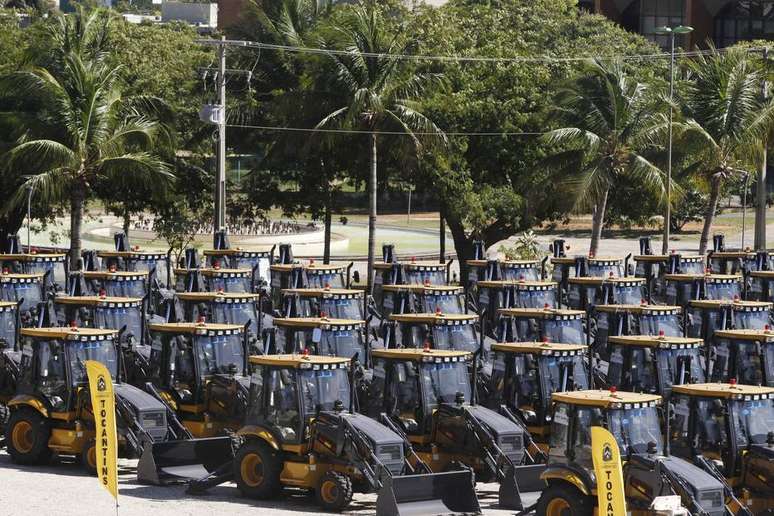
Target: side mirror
356, 276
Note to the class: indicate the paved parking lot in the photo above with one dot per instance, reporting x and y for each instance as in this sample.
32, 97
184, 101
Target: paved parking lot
63, 489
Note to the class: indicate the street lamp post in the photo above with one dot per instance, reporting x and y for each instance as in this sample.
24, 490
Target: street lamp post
672, 32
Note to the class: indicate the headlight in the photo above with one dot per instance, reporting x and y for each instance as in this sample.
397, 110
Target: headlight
510, 443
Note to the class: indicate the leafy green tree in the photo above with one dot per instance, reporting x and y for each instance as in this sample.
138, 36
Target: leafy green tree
610, 118
85, 131
725, 124
381, 96
491, 186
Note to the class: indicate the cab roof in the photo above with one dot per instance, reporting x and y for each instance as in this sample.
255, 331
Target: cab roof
665, 257
732, 254
279, 267
765, 335
762, 274
213, 271
7, 304
541, 312
215, 296
33, 257
639, 309
114, 274
597, 280
131, 254
297, 361
96, 300
68, 333
656, 341
314, 322
517, 283
322, 292
420, 355
425, 289
723, 390
11, 276
513, 263
232, 251
540, 348
707, 277
736, 303
605, 398
433, 318
194, 328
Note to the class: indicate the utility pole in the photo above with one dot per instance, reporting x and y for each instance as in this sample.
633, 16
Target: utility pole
216, 114
220, 185
760, 186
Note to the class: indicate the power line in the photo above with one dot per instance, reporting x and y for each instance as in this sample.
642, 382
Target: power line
454, 58
389, 133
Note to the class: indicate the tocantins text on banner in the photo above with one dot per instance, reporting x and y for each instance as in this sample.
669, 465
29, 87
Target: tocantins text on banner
104, 406
609, 472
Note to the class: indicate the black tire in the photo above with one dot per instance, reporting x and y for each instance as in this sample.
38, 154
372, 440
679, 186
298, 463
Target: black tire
27, 434
89, 458
563, 499
257, 469
334, 492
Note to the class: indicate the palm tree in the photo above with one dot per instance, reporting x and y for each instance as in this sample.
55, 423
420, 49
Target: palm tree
380, 96
83, 133
726, 121
610, 117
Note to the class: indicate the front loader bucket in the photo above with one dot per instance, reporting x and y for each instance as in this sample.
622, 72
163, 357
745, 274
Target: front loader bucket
520, 479
434, 493
180, 461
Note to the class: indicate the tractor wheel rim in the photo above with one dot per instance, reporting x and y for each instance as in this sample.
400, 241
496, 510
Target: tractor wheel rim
329, 491
252, 470
22, 437
557, 507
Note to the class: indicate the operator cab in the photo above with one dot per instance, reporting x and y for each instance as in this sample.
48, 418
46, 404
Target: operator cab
320, 336
337, 303
116, 283
536, 325
746, 355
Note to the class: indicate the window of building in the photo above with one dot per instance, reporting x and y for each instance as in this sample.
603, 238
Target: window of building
743, 20
660, 13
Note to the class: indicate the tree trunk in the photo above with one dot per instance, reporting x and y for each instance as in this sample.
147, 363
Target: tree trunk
76, 225
10, 224
126, 223
327, 236
442, 239
597, 222
760, 204
709, 217
371, 215
463, 246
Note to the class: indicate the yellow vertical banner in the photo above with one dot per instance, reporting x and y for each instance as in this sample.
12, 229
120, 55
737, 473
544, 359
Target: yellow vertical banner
104, 405
608, 468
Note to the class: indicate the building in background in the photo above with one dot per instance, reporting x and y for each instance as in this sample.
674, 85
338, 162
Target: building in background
723, 22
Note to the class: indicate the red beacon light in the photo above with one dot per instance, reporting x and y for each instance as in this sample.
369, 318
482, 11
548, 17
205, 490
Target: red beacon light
73, 325
438, 310
5, 270
112, 268
546, 306
545, 340
327, 286
216, 265
610, 274
200, 320
643, 301
305, 353
613, 389
767, 328
426, 347
323, 315
102, 293
736, 298
413, 259
427, 282
521, 278
732, 382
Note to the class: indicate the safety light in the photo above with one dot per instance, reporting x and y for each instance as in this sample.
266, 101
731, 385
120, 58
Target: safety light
661, 334
112, 268
200, 320
732, 382
438, 310
426, 348
323, 315
305, 353
102, 293
327, 286
613, 389
643, 301
546, 306
73, 325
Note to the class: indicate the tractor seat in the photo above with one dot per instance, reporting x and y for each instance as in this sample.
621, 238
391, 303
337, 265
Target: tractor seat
408, 422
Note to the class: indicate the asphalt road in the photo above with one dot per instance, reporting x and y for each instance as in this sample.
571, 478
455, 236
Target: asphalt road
63, 489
